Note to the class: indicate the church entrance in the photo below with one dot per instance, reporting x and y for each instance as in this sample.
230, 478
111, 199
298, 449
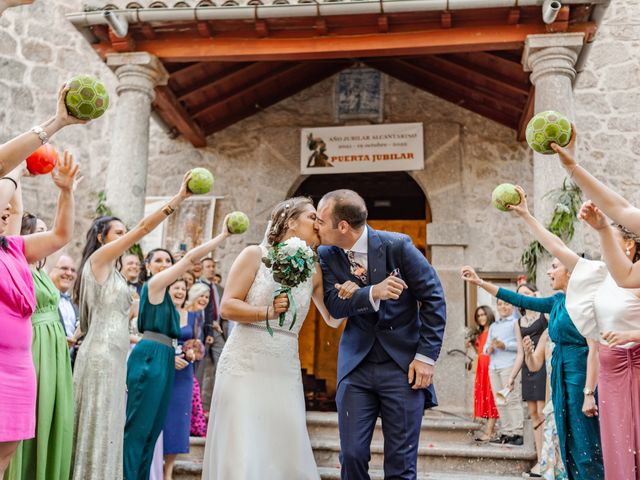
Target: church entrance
395, 203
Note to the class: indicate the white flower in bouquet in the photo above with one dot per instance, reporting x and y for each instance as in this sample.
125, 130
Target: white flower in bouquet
292, 263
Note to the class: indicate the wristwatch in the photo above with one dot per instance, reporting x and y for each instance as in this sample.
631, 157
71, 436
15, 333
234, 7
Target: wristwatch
42, 135
586, 391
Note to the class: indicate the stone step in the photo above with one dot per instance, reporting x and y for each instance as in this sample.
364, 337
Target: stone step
334, 474
196, 450
450, 457
190, 470
435, 427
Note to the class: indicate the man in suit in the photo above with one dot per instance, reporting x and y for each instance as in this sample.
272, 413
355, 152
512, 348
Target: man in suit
392, 338
63, 275
215, 331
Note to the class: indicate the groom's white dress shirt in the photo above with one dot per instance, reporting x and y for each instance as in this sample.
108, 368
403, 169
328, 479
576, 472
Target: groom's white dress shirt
360, 250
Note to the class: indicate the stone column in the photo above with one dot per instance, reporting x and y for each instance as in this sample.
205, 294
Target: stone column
139, 73
551, 59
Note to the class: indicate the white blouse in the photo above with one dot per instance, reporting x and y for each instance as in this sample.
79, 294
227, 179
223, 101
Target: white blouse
596, 304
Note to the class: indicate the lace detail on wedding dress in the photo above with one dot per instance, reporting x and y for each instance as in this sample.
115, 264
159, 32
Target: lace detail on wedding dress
248, 344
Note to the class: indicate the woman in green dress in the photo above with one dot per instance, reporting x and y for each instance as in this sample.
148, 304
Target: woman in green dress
152, 364
48, 455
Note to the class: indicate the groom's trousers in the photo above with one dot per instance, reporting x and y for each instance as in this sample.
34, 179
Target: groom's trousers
379, 387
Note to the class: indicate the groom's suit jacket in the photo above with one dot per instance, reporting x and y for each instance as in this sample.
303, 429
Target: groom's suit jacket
412, 324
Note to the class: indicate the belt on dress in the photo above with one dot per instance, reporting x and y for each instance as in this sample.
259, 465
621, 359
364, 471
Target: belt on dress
275, 330
160, 338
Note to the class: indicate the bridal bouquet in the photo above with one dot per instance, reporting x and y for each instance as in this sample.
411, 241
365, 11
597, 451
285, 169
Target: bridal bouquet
292, 262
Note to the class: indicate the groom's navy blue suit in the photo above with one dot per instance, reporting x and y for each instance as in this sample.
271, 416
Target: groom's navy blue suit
376, 349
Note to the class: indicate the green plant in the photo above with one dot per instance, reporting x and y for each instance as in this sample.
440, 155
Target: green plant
568, 200
102, 209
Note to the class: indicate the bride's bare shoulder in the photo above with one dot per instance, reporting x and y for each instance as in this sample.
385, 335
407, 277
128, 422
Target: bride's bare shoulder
250, 255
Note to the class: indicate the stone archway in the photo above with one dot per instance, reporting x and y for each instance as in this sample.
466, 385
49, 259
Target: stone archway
396, 202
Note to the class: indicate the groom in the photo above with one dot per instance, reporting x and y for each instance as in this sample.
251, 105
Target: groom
392, 337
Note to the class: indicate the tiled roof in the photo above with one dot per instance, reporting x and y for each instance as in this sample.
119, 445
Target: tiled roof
122, 4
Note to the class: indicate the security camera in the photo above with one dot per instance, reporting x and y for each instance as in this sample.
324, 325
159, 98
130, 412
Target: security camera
118, 23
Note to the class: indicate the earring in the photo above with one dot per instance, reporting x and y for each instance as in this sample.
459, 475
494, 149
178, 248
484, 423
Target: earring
628, 252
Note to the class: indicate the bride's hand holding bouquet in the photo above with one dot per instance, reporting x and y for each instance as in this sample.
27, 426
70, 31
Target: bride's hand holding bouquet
292, 262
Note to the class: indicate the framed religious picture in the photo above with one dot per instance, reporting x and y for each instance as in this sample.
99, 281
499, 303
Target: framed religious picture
190, 226
359, 95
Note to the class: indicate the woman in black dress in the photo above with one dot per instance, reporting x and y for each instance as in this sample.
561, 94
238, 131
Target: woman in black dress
534, 384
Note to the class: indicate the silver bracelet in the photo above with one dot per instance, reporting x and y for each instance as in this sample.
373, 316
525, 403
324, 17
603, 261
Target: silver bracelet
42, 135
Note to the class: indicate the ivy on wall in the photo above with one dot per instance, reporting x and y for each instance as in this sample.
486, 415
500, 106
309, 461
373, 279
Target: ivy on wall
568, 200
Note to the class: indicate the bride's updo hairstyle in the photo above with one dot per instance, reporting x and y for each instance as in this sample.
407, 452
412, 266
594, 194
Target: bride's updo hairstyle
289, 209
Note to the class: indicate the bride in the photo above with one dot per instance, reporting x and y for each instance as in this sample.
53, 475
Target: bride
257, 426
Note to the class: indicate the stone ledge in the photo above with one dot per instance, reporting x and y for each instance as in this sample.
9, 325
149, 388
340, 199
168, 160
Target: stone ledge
448, 234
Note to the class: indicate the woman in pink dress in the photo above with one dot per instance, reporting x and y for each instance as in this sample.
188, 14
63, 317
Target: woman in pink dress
17, 303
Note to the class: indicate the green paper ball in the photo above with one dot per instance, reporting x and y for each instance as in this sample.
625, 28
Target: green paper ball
201, 181
546, 128
503, 195
87, 98
238, 222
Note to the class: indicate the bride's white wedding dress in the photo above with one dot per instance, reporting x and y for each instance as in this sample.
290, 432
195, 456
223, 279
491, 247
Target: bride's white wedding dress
257, 423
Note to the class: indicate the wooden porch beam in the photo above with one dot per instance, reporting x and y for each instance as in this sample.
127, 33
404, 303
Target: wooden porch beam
178, 48
526, 114
173, 113
233, 72
240, 91
278, 89
408, 75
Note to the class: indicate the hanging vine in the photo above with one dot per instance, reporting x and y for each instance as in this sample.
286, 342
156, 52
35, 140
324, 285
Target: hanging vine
568, 200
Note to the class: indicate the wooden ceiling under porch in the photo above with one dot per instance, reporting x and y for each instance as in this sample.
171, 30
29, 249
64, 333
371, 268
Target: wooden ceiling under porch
224, 71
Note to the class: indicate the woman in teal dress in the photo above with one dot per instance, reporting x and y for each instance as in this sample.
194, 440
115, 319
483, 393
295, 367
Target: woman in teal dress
574, 359
152, 363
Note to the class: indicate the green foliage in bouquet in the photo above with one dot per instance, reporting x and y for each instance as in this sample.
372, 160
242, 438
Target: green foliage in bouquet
291, 262
568, 200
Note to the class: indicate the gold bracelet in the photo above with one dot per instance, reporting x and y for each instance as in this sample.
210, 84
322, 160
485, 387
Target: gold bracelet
168, 210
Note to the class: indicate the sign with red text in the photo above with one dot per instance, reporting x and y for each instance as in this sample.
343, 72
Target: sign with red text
366, 148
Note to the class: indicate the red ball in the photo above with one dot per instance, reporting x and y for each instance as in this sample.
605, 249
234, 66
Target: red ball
43, 160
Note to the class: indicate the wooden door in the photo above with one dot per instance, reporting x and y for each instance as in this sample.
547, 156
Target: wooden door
319, 342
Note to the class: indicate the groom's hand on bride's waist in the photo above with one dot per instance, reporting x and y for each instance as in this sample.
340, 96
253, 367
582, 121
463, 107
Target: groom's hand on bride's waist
420, 374
389, 289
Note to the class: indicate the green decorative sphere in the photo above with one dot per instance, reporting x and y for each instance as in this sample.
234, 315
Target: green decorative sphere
238, 222
87, 98
503, 195
546, 128
201, 181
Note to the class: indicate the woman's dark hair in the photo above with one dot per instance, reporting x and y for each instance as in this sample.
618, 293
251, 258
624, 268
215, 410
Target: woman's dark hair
28, 227
529, 286
490, 317
289, 209
177, 280
629, 235
99, 230
146, 274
